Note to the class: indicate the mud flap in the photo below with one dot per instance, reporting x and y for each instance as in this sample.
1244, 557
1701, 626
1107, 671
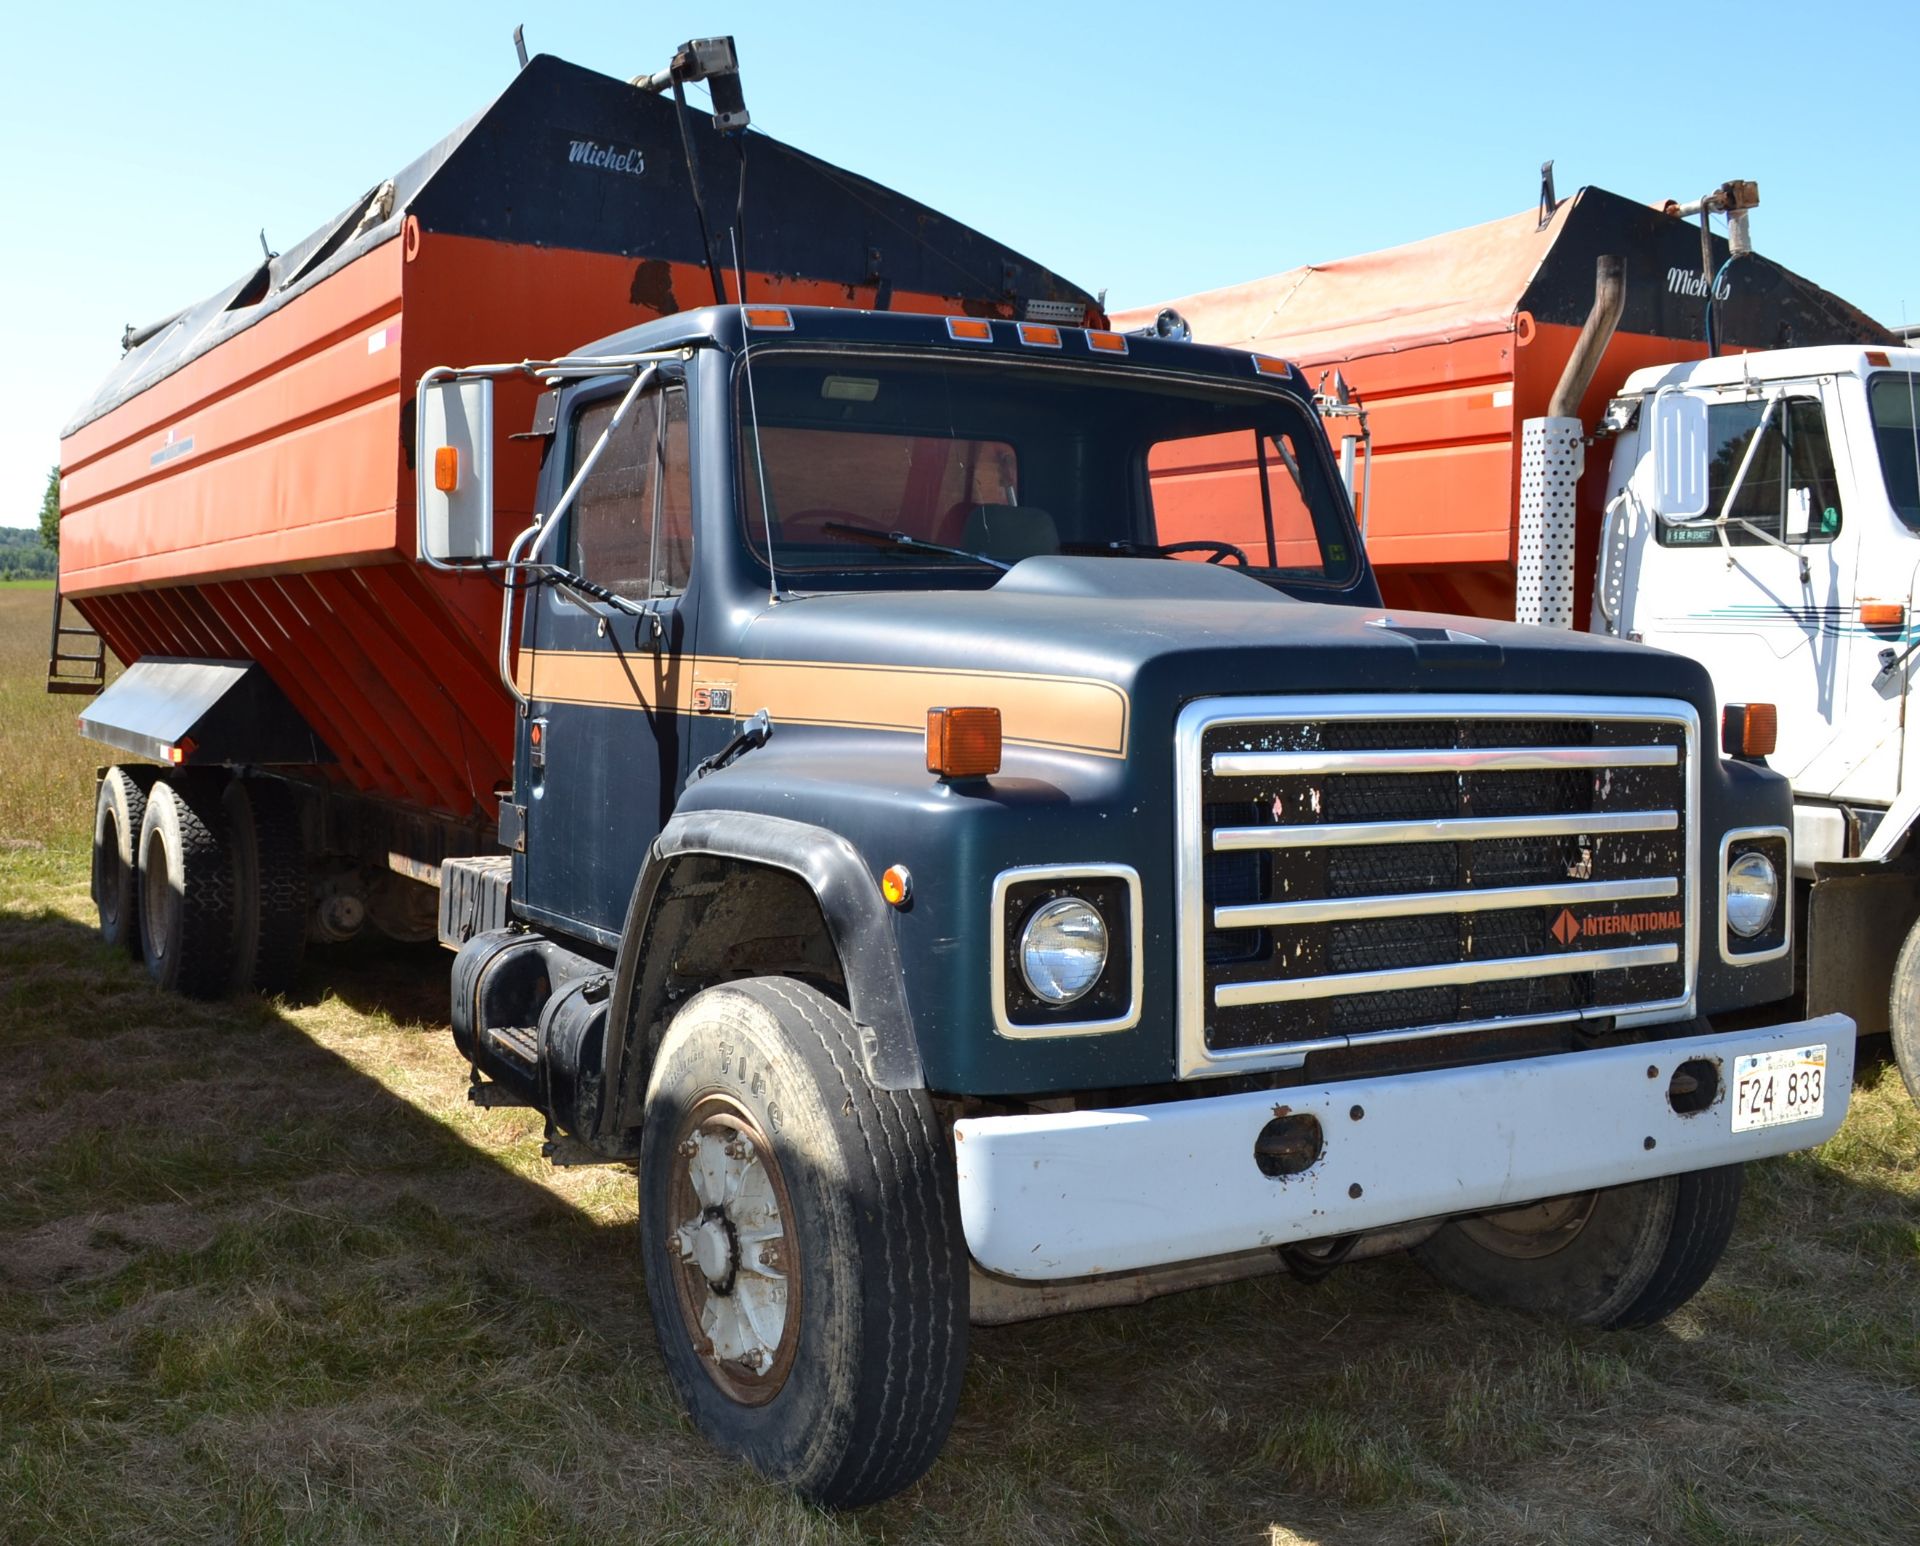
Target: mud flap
1857, 920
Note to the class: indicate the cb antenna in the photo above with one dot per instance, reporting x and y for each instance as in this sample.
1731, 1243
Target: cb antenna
753, 428
520, 43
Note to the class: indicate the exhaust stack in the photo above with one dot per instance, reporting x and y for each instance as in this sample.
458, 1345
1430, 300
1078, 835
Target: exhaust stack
1553, 454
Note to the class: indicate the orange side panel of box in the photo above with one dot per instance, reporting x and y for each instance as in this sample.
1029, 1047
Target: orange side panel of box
275, 449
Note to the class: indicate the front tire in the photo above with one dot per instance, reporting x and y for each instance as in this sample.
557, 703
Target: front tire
1903, 1013
800, 1234
186, 888
1619, 1257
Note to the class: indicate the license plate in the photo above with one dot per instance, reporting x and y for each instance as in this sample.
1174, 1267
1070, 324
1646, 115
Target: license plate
1771, 1089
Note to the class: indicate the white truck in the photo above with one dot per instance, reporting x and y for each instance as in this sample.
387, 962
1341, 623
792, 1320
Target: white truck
1763, 517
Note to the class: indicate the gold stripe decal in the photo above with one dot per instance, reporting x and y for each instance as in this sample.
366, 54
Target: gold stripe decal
1059, 713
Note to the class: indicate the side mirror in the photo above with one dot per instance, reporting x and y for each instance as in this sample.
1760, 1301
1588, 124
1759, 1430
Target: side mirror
453, 464
1677, 426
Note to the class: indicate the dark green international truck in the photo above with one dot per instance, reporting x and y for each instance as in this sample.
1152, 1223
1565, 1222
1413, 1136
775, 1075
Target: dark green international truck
977, 860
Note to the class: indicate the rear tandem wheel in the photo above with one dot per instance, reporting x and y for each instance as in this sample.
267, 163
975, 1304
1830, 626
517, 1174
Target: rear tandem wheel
117, 813
187, 886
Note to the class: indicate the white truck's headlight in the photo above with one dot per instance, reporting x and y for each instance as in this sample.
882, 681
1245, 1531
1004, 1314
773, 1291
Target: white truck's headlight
1063, 949
1753, 893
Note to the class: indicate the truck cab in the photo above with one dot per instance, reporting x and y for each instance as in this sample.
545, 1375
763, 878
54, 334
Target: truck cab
1763, 519
977, 860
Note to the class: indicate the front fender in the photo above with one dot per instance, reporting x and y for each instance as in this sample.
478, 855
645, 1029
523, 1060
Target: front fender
849, 900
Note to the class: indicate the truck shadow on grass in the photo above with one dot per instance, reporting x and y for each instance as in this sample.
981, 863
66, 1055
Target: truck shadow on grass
265, 1275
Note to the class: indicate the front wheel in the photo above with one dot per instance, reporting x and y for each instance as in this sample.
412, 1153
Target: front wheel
1618, 1257
800, 1234
1903, 1013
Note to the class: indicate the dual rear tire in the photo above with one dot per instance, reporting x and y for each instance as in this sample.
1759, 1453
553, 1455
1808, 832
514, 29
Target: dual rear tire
202, 877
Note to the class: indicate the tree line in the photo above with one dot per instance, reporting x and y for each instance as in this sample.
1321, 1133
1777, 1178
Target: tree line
30, 554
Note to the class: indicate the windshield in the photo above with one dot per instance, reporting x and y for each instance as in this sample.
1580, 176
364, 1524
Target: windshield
1893, 396
912, 472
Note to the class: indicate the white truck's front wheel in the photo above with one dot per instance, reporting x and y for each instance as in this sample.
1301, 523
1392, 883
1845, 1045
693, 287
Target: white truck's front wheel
1903, 1012
1618, 1257
801, 1238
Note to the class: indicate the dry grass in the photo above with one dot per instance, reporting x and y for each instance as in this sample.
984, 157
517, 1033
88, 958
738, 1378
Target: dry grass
266, 1276
46, 771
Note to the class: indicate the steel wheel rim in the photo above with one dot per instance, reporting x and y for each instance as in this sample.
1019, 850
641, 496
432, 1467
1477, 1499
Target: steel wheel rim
156, 897
727, 1204
1536, 1230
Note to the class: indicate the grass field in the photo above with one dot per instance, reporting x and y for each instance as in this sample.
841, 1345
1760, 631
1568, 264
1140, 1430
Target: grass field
265, 1275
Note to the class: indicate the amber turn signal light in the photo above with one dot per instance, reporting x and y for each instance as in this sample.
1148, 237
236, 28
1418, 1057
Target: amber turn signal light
963, 743
1882, 614
446, 469
896, 885
1749, 729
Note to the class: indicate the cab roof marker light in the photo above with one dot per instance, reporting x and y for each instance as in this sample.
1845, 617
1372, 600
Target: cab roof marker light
970, 330
1102, 342
770, 318
1267, 365
1039, 335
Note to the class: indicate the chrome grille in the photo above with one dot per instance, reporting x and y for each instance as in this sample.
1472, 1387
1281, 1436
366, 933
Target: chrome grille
1377, 869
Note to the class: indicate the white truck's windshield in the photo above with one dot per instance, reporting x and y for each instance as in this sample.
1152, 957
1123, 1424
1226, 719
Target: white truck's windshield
870, 470
1896, 436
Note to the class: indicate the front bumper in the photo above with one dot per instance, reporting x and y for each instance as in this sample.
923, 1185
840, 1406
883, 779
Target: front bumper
1079, 1193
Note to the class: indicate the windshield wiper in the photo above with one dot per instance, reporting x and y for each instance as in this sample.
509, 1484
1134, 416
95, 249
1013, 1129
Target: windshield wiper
899, 539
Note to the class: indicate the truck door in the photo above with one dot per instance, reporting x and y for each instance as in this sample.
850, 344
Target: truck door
1765, 600
1884, 448
601, 757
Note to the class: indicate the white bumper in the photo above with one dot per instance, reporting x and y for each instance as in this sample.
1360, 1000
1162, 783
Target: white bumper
1072, 1194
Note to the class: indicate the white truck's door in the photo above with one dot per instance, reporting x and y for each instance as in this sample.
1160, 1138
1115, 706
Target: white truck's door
1886, 448
1863, 765
1769, 618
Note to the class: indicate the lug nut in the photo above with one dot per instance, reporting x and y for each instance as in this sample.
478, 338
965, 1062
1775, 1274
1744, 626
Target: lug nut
689, 1146
739, 1149
770, 1256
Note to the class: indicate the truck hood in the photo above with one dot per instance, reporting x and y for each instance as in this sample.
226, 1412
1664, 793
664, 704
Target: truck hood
1078, 651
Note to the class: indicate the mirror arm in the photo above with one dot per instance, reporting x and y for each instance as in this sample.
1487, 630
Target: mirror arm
1746, 462
506, 616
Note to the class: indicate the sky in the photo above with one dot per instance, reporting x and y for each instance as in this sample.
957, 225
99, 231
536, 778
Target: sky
1147, 150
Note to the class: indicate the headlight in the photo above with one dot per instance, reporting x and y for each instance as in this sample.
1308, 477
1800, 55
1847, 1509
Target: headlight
1753, 892
1063, 950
